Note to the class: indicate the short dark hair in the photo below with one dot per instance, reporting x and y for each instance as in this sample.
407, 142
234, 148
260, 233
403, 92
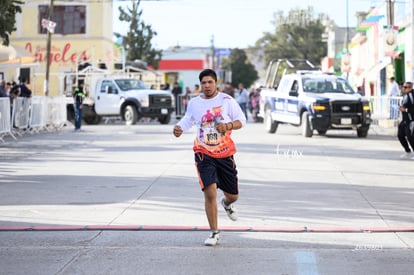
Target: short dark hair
208, 72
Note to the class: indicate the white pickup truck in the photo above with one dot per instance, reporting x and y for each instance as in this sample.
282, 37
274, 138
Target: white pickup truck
125, 97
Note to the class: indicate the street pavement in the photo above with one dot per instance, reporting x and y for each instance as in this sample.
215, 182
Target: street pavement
116, 199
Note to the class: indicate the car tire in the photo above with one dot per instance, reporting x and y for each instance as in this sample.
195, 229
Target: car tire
70, 114
306, 127
93, 119
362, 132
270, 124
321, 132
130, 115
165, 119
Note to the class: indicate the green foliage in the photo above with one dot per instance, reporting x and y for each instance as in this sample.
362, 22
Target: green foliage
242, 70
137, 41
296, 36
8, 11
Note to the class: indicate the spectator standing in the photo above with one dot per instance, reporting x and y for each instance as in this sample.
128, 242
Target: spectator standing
24, 90
14, 92
393, 92
228, 89
405, 128
8, 88
3, 91
243, 98
187, 97
78, 96
216, 116
177, 91
254, 101
196, 90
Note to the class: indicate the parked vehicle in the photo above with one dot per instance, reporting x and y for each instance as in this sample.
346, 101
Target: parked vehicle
303, 96
123, 96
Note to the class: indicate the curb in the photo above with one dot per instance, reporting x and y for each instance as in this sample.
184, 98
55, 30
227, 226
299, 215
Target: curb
299, 229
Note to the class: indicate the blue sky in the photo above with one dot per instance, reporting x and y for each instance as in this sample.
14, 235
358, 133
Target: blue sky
232, 23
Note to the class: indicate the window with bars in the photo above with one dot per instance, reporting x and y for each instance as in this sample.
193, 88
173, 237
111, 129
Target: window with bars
69, 19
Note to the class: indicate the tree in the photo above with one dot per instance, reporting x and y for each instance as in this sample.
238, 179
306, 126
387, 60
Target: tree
137, 41
242, 70
8, 11
297, 36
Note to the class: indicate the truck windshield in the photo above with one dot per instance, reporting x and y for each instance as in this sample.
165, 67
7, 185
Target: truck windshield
326, 85
130, 84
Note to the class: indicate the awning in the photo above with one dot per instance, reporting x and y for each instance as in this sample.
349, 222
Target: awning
370, 21
15, 55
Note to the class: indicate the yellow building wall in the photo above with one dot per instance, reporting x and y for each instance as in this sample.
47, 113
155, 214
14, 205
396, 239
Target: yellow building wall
66, 50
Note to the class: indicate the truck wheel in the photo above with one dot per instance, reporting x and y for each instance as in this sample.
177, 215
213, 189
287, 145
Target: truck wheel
70, 114
165, 119
362, 132
130, 115
306, 128
92, 120
270, 124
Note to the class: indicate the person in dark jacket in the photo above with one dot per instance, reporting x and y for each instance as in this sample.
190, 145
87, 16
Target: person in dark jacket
24, 90
177, 91
78, 96
406, 126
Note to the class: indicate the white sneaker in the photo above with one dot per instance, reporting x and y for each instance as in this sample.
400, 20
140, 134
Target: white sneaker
406, 155
230, 210
213, 239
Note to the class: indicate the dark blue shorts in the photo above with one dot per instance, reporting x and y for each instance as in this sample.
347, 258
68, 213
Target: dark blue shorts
217, 170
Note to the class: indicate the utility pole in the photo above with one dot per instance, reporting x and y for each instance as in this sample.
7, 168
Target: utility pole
390, 27
411, 59
347, 35
390, 13
48, 46
213, 53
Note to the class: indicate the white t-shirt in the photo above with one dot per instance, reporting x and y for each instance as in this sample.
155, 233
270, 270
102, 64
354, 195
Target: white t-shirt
206, 114
394, 90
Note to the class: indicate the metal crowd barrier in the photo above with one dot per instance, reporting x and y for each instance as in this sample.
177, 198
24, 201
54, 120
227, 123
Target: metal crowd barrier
181, 104
21, 113
56, 110
31, 115
5, 120
38, 113
385, 107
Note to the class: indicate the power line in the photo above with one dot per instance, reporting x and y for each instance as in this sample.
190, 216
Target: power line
96, 1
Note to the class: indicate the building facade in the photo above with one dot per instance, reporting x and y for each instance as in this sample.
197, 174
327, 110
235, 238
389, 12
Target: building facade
382, 48
183, 65
83, 33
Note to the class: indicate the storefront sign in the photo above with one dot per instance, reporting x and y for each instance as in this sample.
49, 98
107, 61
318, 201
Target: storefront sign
57, 55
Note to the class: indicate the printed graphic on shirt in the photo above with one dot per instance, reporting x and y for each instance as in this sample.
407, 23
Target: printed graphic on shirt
210, 141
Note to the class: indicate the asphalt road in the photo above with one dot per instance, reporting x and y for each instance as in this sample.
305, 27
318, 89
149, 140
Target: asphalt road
114, 199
